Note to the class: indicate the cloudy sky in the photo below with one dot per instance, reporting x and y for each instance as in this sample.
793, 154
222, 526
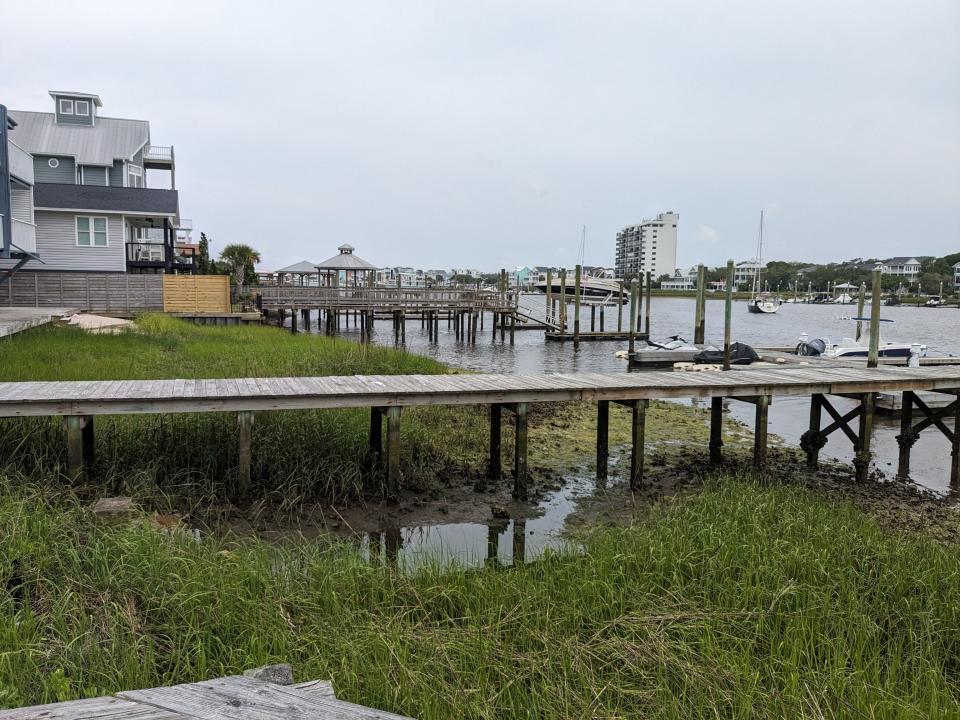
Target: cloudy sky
485, 134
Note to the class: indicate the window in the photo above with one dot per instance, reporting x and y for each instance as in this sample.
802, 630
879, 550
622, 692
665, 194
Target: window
134, 176
66, 106
82, 107
53, 162
91, 231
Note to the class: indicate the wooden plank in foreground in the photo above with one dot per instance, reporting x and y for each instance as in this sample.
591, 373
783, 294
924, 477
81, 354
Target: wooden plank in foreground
102, 708
243, 698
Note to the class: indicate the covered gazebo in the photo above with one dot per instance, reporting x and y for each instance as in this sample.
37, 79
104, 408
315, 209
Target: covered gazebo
301, 273
353, 269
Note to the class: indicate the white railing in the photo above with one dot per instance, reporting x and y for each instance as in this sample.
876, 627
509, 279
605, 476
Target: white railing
21, 162
161, 153
25, 235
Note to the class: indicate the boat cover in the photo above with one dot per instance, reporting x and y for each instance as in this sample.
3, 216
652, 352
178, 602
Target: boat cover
740, 354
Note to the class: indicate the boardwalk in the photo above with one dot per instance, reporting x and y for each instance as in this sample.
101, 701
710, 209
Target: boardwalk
80, 402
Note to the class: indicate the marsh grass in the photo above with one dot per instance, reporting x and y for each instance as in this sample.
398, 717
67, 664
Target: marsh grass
302, 454
746, 600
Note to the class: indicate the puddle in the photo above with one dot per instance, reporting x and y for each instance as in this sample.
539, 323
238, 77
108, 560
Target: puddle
474, 544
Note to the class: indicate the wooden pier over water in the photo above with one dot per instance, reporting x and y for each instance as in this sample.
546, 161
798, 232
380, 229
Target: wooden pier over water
387, 395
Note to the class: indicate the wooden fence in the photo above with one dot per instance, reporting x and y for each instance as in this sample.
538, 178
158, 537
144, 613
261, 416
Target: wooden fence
96, 292
196, 293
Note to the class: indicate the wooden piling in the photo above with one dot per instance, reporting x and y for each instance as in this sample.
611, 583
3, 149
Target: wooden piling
699, 332
620, 309
955, 448
860, 299
906, 438
513, 326
760, 431
601, 318
393, 453
245, 452
638, 315
646, 310
520, 452
563, 300
814, 440
716, 430
494, 464
603, 438
638, 411
593, 318
549, 310
403, 327
728, 316
873, 352
519, 544
577, 272
375, 438
632, 319
74, 425
861, 461
293, 320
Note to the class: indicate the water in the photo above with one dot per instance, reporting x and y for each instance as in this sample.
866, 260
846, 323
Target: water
471, 543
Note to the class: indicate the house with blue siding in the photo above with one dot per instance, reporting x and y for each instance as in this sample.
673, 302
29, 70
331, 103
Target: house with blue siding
92, 209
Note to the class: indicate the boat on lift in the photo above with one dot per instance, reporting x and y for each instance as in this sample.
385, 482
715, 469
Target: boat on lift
761, 302
593, 290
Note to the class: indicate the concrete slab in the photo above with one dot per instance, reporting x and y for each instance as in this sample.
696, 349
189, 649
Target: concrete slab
16, 319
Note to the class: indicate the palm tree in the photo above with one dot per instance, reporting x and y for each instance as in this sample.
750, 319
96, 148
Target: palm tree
239, 257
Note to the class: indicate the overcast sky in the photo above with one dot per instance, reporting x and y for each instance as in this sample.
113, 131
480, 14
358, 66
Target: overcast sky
485, 134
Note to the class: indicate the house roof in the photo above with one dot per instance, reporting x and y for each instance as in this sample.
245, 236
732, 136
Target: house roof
345, 260
304, 267
108, 140
901, 260
72, 93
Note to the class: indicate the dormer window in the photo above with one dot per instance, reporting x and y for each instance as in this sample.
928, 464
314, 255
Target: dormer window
82, 108
66, 106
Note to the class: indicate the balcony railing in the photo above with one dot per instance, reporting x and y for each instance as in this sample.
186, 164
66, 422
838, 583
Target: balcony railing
158, 153
95, 197
153, 254
25, 235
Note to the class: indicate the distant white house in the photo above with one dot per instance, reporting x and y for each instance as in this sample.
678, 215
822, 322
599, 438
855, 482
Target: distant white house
956, 276
905, 267
744, 272
681, 280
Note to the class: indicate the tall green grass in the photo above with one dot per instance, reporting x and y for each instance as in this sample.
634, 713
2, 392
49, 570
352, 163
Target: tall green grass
745, 601
296, 455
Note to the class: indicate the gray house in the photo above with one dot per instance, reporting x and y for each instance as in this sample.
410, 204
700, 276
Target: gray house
18, 237
92, 210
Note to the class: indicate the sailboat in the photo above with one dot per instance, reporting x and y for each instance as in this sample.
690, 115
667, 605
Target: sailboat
593, 290
762, 302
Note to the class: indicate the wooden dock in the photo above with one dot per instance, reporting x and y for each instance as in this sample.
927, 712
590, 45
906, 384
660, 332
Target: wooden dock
230, 698
386, 396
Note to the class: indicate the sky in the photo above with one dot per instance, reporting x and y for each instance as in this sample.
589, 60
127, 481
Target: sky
486, 134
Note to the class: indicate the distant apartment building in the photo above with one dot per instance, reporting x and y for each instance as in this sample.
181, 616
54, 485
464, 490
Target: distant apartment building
649, 246
92, 209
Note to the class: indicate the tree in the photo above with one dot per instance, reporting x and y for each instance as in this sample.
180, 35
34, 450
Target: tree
241, 259
203, 256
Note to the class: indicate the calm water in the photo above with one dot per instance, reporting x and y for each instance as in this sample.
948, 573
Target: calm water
938, 328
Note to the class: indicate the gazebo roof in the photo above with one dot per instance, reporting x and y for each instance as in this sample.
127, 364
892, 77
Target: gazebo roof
304, 267
345, 260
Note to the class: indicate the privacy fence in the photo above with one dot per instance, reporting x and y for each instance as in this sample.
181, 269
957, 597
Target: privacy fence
117, 292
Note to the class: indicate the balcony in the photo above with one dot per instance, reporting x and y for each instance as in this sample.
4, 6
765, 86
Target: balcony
158, 157
147, 255
105, 199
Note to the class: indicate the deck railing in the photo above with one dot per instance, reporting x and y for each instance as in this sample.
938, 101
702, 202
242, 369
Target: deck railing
359, 298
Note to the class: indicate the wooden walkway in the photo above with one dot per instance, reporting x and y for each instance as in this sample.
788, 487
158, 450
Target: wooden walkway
387, 395
229, 698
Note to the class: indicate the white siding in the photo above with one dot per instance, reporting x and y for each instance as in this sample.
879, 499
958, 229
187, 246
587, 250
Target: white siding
57, 245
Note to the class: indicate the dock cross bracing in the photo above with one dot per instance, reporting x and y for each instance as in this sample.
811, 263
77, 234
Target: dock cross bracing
79, 402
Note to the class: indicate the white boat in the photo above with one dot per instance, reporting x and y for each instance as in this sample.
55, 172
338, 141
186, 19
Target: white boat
601, 291
852, 348
761, 302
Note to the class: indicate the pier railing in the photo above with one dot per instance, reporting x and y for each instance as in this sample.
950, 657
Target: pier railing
383, 299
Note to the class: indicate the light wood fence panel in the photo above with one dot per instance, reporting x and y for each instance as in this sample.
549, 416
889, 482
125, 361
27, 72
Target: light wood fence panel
196, 293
